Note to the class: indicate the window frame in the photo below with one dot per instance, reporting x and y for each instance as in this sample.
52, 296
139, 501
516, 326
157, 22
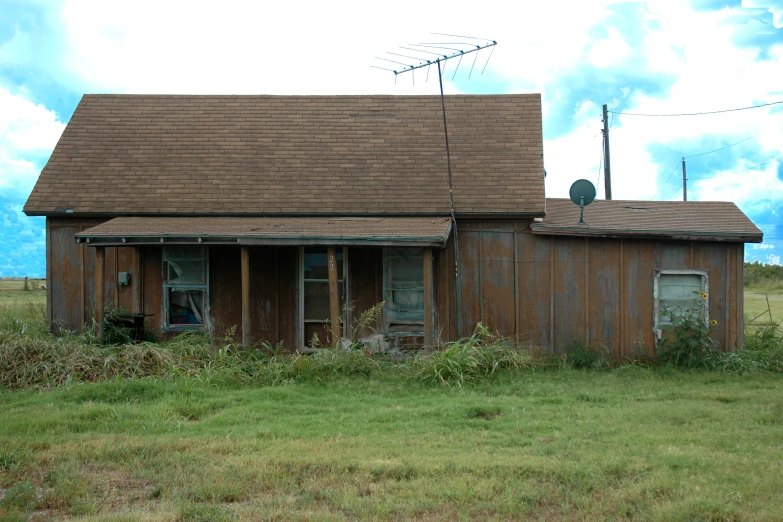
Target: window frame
206, 323
387, 296
344, 277
657, 273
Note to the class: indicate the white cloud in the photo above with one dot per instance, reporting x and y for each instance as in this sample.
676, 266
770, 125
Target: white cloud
611, 50
762, 246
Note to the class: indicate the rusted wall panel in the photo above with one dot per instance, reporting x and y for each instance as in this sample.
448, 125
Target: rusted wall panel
673, 255
637, 303
470, 279
497, 281
603, 294
533, 287
66, 279
445, 298
569, 279
225, 290
712, 258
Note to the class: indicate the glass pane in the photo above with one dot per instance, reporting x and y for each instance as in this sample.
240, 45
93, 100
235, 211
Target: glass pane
186, 272
185, 265
186, 307
315, 264
408, 299
679, 295
316, 300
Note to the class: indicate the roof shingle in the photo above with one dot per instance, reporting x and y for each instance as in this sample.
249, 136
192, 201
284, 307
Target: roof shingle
153, 154
716, 220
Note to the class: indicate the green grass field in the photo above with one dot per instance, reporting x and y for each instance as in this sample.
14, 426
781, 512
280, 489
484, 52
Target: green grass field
756, 305
551, 443
627, 444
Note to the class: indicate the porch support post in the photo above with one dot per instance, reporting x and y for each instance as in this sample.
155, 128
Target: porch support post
245, 297
100, 256
334, 296
428, 296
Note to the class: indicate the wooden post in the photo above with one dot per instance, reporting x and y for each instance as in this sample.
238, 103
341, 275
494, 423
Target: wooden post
245, 297
427, 297
334, 295
100, 254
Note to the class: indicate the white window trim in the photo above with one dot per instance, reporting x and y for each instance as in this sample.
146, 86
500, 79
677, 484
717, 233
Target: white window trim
207, 323
705, 285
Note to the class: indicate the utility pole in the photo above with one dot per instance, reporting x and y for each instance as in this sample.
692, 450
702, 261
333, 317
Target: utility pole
607, 167
684, 182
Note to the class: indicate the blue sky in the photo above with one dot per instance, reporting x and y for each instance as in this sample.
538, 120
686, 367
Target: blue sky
656, 57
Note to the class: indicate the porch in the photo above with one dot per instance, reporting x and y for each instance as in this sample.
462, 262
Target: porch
302, 281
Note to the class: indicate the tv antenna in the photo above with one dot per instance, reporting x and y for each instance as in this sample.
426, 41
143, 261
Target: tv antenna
456, 46
582, 193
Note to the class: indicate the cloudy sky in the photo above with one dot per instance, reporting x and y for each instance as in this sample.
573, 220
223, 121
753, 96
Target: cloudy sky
656, 57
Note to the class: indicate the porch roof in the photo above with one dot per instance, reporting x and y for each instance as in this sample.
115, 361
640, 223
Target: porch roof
697, 220
335, 231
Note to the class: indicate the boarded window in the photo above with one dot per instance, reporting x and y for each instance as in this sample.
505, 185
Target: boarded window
316, 308
186, 288
403, 289
678, 293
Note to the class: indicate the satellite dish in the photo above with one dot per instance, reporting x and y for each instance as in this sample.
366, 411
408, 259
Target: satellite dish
582, 193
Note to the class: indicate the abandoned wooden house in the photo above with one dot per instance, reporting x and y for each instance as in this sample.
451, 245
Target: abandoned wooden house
288, 216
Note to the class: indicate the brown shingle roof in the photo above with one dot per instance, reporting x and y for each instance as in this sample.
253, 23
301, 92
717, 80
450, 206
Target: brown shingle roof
133, 154
705, 220
408, 230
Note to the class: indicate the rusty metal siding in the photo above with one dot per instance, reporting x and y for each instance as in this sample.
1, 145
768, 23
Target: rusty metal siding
533, 288
603, 294
568, 266
66, 279
497, 280
470, 276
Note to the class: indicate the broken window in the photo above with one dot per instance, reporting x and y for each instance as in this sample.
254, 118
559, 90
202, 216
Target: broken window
315, 296
186, 288
678, 293
403, 291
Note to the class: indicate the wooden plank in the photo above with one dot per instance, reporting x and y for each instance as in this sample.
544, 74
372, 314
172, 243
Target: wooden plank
99, 293
534, 292
427, 297
639, 261
569, 287
334, 294
469, 280
497, 282
225, 289
153, 289
363, 285
289, 323
49, 274
264, 289
245, 276
65, 278
137, 280
515, 260
126, 262
604, 294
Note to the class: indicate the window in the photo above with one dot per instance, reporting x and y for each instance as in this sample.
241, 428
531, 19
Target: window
316, 311
403, 292
677, 293
186, 288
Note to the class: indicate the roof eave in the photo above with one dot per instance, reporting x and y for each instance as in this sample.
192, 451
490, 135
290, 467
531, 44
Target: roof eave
685, 235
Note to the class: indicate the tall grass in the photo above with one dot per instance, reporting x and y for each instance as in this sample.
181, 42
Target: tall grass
32, 357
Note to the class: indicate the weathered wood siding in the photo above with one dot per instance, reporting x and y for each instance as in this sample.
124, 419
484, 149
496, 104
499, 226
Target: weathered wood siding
548, 291
70, 276
556, 292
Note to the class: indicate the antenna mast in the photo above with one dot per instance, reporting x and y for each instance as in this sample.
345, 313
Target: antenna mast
460, 51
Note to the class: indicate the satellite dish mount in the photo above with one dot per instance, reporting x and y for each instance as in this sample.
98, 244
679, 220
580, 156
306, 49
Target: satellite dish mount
582, 193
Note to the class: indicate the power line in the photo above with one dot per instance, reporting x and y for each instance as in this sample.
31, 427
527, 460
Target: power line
736, 171
675, 192
698, 113
724, 148
667, 179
